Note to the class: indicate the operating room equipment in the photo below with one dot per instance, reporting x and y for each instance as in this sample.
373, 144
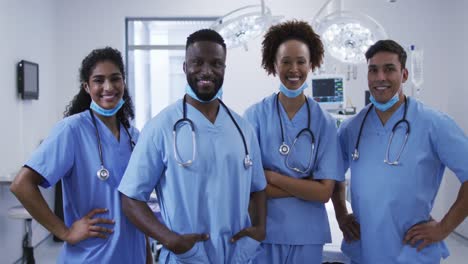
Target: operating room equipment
347, 35
243, 24
417, 73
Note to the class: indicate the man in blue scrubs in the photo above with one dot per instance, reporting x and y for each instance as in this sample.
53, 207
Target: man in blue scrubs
394, 182
204, 184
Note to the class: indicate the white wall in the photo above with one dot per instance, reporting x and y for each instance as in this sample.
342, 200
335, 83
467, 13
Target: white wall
28, 32
457, 91
58, 34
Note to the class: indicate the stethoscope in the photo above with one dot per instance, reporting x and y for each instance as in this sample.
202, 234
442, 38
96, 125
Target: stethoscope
284, 148
184, 120
355, 155
103, 174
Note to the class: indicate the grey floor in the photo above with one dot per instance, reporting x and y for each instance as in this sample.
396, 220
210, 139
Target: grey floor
47, 251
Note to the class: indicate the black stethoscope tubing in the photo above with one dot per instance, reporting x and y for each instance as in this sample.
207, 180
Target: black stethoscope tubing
355, 155
103, 173
284, 146
285, 149
247, 160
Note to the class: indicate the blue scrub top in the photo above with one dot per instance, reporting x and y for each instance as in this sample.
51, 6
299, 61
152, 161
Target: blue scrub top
70, 153
388, 200
210, 196
293, 221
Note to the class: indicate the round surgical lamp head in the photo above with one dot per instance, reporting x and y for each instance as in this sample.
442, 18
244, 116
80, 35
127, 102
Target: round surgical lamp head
244, 24
348, 35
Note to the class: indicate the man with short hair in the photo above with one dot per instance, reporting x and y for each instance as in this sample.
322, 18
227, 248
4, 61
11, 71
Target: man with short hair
397, 149
204, 162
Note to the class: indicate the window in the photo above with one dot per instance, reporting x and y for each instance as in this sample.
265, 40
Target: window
155, 55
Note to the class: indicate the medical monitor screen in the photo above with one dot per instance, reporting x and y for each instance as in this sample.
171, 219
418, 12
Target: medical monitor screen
328, 90
28, 80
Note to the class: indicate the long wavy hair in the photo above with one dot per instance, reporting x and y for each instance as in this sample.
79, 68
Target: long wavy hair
82, 100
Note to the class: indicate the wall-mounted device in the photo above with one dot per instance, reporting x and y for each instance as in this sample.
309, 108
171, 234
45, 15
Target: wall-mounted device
28, 79
329, 90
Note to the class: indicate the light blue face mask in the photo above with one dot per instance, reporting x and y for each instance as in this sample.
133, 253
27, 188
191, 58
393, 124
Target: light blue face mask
385, 106
192, 94
106, 112
293, 93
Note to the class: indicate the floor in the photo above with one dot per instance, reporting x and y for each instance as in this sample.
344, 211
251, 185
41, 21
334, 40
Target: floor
47, 251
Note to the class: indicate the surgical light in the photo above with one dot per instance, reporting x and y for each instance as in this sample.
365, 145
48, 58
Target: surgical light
243, 24
347, 35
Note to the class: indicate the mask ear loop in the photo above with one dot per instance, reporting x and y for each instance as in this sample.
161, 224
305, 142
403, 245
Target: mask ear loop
308, 80
85, 87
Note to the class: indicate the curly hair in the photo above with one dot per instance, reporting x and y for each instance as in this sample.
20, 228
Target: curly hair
82, 100
388, 45
289, 30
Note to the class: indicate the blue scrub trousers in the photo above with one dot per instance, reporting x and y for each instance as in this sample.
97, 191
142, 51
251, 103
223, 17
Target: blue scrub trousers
290, 254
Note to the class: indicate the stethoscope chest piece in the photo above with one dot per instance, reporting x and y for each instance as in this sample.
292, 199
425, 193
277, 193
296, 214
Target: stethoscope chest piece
284, 149
247, 162
355, 155
103, 174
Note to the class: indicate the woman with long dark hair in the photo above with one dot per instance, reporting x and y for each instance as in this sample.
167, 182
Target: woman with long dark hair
88, 151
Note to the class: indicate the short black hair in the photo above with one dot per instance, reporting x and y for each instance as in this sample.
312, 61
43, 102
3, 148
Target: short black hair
290, 30
82, 99
205, 34
388, 45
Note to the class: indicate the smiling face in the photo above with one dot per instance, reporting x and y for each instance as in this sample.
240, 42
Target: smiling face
204, 67
292, 63
105, 85
385, 76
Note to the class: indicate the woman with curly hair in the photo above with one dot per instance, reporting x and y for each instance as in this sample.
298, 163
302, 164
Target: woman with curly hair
300, 150
88, 151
